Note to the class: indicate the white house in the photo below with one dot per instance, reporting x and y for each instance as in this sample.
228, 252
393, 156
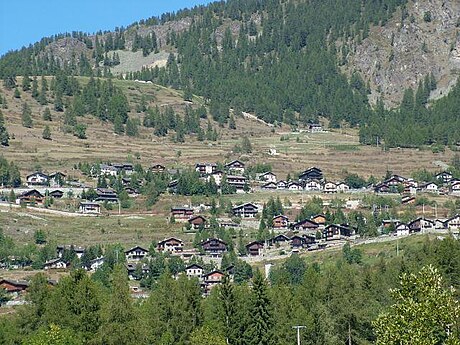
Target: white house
312, 185
342, 187
453, 223
37, 179
402, 229
330, 187
294, 186
217, 176
171, 245
281, 184
95, 264
108, 170
430, 187
57, 263
194, 270
89, 208
455, 188
136, 253
267, 177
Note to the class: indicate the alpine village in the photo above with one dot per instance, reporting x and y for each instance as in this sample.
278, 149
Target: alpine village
241, 172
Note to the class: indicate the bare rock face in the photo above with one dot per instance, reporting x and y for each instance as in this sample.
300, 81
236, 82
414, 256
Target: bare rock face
401, 53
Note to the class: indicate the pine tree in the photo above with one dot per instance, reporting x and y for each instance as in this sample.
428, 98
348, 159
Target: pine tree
58, 104
260, 330
26, 116
4, 136
118, 127
46, 133
26, 83
17, 94
132, 129
47, 114
35, 88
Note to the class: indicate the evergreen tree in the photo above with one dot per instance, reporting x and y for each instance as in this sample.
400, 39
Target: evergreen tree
46, 133
47, 114
35, 88
132, 129
17, 94
26, 116
25, 82
4, 136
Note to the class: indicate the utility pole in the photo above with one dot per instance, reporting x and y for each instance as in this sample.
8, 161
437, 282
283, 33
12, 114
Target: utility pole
298, 332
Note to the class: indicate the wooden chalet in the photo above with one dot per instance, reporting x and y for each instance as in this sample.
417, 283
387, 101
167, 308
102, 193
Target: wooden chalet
408, 200
395, 180
136, 253
87, 207
32, 196
305, 225
212, 279
342, 187
330, 187
37, 179
315, 128
337, 232
319, 219
217, 176
247, 210
267, 177
58, 263
194, 270
237, 181
453, 223
13, 286
312, 173
106, 194
197, 222
235, 167
304, 241
254, 248
269, 185
294, 186
444, 177
56, 194
279, 239
402, 229
214, 247
181, 212
421, 225
429, 187
455, 188
205, 168
157, 168
280, 222
281, 184
312, 185
171, 245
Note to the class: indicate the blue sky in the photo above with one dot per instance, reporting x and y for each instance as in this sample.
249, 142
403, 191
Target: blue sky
26, 21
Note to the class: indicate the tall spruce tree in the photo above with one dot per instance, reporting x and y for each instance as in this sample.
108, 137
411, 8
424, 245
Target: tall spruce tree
26, 115
4, 136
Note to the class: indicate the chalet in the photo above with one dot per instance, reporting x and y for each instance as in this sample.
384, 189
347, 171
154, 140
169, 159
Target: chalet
269, 185
330, 187
395, 180
181, 212
56, 194
217, 176
108, 170
267, 177
312, 173
79, 251
32, 196
315, 128
173, 186
171, 245
255, 248
89, 208
453, 223
37, 179
214, 247
136, 253
279, 239
281, 184
337, 232
312, 185
421, 225
383, 188
194, 270
131, 191
157, 168
455, 188
305, 225
444, 177
402, 229
280, 222
298, 241
95, 264
430, 187
294, 186
57, 263
205, 168
212, 279
197, 222
13, 286
56, 179
410, 189
319, 219
239, 182
125, 168
247, 210
386, 223
342, 187
235, 167
106, 194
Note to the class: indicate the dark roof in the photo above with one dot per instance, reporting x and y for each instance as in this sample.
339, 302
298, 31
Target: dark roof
31, 192
37, 173
169, 239
233, 162
193, 266
136, 247
253, 243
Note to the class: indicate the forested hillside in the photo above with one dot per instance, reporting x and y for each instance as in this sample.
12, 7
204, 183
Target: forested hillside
280, 60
